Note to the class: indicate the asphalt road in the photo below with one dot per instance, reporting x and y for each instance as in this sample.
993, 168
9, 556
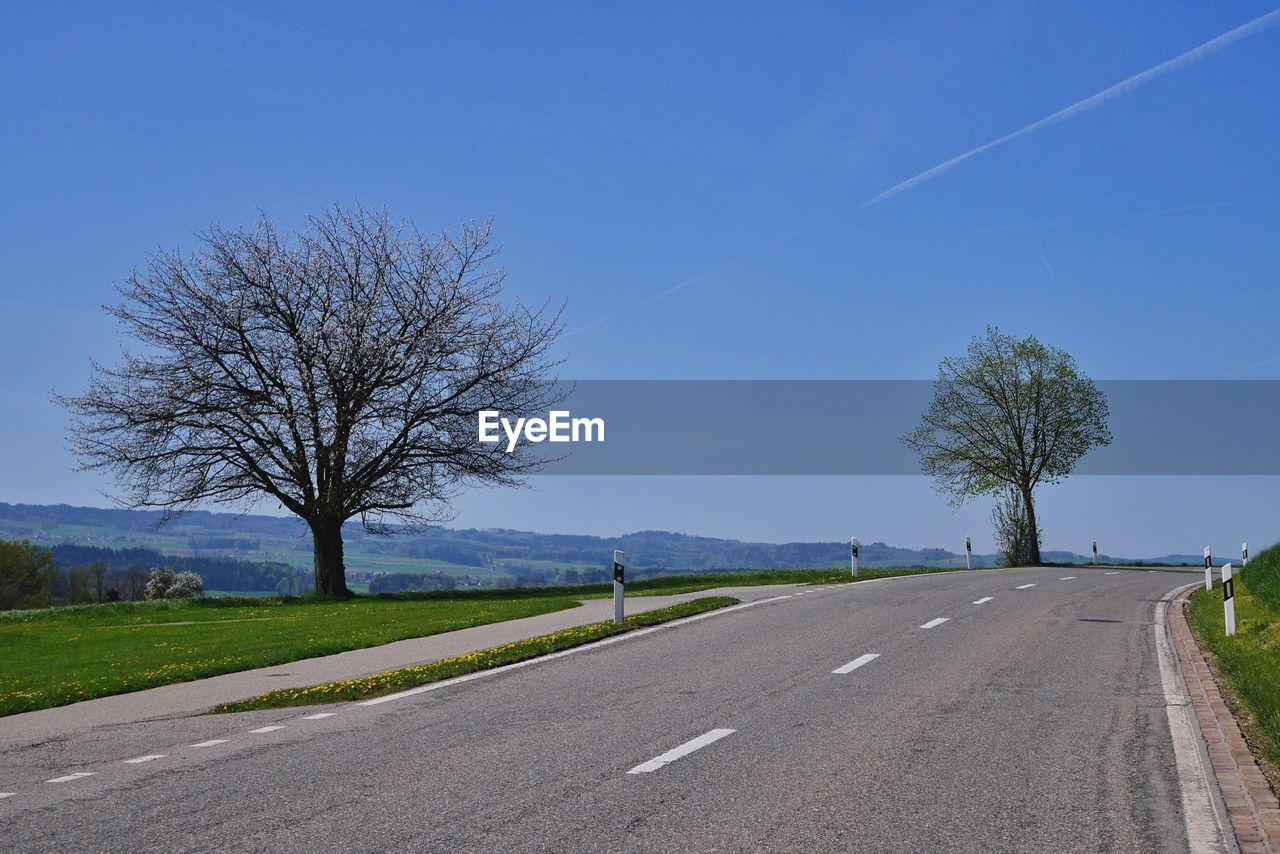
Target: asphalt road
1034, 721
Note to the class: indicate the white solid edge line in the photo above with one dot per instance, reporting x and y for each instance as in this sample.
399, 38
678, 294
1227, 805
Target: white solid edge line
637, 633
1205, 829
270, 728
983, 599
1023, 586
936, 621
856, 663
150, 757
318, 716
683, 750
67, 778
210, 743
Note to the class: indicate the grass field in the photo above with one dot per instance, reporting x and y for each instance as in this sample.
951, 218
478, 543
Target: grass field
1248, 663
486, 659
63, 655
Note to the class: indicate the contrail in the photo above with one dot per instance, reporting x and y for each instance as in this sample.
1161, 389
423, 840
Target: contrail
1121, 88
631, 308
1040, 249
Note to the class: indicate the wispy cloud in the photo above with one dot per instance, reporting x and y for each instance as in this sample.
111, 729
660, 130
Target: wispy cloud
773, 244
1093, 101
1264, 363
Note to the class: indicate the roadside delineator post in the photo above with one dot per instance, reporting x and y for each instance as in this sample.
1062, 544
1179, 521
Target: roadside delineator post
1244, 554
1208, 568
1095, 552
968, 553
1228, 600
853, 555
618, 583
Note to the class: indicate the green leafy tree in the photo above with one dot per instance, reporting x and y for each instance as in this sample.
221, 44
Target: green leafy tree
25, 573
1011, 414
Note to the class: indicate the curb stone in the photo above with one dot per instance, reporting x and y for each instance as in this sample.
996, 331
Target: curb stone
1251, 806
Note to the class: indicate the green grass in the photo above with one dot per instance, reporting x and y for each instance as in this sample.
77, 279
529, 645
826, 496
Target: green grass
486, 659
1248, 663
64, 655
752, 578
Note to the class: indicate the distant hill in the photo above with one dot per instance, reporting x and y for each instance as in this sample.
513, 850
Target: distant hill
468, 556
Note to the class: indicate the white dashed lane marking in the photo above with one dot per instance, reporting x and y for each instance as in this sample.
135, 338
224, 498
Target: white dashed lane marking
318, 716
69, 777
856, 663
263, 729
1110, 573
210, 743
7, 794
1066, 578
683, 750
983, 599
150, 757
1023, 586
937, 621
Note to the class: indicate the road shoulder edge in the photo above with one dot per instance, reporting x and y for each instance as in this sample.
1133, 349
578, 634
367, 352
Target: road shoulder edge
1251, 805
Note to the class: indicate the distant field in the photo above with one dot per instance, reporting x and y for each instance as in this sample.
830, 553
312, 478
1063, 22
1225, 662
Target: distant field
706, 581
63, 655
175, 538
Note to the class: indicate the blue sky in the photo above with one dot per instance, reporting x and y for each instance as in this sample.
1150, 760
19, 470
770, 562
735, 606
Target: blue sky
622, 152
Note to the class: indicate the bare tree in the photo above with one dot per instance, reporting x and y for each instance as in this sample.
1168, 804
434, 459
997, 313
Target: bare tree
135, 583
99, 578
337, 370
1010, 413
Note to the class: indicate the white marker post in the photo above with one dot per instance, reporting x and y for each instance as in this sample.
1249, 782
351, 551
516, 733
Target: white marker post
1228, 600
968, 553
853, 555
1244, 554
1095, 552
1208, 568
618, 583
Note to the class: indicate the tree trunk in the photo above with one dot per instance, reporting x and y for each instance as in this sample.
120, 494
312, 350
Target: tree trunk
1033, 530
331, 572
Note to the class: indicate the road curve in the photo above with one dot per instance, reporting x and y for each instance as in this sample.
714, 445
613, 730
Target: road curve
997, 710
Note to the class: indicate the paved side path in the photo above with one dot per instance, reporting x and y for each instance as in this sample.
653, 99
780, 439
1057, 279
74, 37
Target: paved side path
194, 697
1251, 805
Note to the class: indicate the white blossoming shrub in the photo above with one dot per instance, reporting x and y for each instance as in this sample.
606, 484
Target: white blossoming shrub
159, 582
185, 584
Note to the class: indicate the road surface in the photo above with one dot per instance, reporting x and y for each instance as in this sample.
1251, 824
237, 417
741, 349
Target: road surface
997, 710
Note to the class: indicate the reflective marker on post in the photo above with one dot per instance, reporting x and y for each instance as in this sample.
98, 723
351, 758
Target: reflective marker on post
1095, 552
968, 554
618, 579
853, 555
1244, 554
1208, 568
1228, 600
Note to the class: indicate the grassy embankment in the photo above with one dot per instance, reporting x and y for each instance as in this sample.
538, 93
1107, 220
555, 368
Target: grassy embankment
63, 655
485, 659
1248, 663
